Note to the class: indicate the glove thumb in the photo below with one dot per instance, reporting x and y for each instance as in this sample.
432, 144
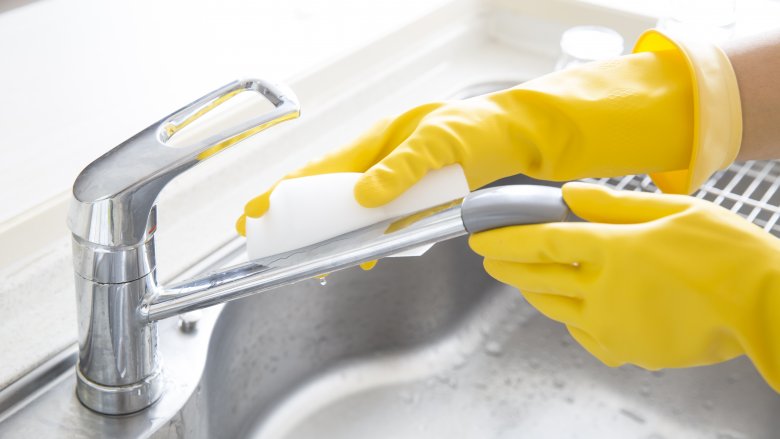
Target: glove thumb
598, 204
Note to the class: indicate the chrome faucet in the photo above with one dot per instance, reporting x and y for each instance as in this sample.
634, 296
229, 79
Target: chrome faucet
113, 221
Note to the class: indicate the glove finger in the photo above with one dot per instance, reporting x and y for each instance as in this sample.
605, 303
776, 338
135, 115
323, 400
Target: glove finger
374, 144
564, 243
598, 204
368, 266
559, 279
402, 169
593, 347
561, 309
343, 160
356, 156
241, 225
255, 208
396, 130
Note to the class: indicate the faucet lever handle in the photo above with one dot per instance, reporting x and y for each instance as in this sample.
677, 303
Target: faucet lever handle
285, 104
114, 195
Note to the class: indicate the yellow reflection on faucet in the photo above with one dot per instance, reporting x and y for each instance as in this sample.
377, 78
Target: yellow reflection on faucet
418, 216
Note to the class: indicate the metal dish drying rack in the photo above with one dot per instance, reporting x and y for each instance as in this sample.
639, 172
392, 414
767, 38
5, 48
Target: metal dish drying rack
751, 189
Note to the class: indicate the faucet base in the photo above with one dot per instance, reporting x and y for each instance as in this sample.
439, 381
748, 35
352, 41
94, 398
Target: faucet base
119, 400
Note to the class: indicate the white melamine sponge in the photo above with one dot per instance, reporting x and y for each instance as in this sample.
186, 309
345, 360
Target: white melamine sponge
308, 210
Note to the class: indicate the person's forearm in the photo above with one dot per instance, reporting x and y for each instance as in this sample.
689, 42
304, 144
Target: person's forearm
756, 62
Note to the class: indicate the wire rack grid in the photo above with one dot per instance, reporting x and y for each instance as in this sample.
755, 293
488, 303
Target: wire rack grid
749, 189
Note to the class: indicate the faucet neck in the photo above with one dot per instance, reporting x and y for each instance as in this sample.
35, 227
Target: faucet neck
115, 264
119, 369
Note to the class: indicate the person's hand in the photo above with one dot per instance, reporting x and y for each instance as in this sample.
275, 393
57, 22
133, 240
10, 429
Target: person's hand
634, 114
358, 156
654, 280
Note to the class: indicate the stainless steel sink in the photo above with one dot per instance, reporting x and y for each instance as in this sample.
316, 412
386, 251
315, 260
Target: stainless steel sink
418, 347
433, 347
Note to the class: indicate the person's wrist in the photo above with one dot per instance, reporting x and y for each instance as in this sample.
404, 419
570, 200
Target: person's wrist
717, 118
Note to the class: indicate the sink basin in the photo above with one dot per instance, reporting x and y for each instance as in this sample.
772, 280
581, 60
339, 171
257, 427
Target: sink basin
420, 347
433, 347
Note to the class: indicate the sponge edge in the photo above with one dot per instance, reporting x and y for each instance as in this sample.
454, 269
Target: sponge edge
308, 210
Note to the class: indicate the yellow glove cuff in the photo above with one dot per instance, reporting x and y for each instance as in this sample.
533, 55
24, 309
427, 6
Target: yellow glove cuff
717, 110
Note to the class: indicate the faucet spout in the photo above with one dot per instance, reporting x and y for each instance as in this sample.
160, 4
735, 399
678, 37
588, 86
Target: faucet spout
481, 210
383, 239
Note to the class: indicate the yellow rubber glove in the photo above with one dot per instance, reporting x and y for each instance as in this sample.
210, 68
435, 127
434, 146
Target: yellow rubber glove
634, 114
357, 156
654, 280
